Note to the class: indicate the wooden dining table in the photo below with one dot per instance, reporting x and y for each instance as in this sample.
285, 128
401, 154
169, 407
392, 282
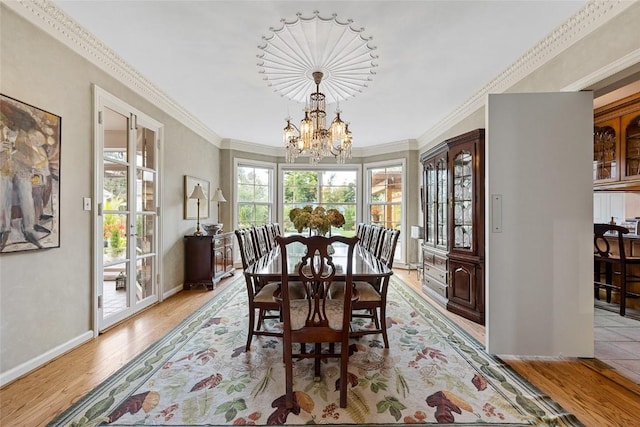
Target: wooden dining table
366, 267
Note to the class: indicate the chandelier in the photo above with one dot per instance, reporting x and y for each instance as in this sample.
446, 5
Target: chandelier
313, 138
304, 51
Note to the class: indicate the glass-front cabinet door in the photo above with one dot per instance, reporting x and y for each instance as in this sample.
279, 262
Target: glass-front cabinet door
441, 194
435, 201
630, 125
462, 205
430, 205
605, 151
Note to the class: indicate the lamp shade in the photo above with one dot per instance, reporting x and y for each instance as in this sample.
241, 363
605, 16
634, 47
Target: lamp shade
417, 232
218, 196
198, 193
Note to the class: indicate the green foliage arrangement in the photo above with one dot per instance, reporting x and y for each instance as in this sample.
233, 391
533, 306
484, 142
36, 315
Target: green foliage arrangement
316, 219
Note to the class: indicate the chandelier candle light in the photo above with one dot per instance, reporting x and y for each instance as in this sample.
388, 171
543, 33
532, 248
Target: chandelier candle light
313, 138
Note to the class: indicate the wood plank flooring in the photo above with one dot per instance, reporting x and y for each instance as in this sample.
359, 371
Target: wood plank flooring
588, 389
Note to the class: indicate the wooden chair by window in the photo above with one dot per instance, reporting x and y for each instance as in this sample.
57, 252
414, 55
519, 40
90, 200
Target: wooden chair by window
318, 319
375, 239
372, 297
260, 240
609, 251
360, 231
366, 236
270, 235
260, 295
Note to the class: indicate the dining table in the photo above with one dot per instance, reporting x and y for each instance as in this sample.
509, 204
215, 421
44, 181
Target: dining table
365, 267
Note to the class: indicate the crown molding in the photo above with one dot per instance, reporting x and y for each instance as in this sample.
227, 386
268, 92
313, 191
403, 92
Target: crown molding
586, 20
616, 66
48, 17
54, 21
268, 150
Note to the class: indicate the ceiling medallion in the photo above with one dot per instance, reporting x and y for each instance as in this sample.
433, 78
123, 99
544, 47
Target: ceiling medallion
300, 55
299, 48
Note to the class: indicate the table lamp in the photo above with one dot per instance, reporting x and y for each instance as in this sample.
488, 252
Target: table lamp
198, 194
218, 197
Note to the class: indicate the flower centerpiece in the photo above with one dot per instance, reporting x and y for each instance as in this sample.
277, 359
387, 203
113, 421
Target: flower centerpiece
317, 219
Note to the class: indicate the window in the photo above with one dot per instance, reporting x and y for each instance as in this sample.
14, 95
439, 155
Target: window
335, 189
385, 198
254, 195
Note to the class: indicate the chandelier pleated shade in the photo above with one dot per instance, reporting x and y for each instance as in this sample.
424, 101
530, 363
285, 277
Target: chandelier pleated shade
291, 54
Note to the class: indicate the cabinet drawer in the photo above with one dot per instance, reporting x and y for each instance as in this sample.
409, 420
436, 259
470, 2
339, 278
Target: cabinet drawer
435, 285
440, 262
428, 258
436, 273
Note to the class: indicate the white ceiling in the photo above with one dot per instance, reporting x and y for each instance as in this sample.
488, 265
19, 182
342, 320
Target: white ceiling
433, 56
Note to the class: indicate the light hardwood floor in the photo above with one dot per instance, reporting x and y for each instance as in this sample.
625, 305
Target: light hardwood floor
586, 388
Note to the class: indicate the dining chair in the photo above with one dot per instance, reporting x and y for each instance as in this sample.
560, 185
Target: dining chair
609, 251
317, 319
372, 297
373, 244
260, 240
366, 236
270, 234
260, 296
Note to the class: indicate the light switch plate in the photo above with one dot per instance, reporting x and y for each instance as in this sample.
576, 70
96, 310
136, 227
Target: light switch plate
86, 203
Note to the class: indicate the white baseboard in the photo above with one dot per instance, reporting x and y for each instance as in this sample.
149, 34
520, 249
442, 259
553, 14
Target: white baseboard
172, 292
36, 362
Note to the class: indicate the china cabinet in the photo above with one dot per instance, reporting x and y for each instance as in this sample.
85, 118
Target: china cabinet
434, 207
207, 259
616, 144
466, 225
453, 215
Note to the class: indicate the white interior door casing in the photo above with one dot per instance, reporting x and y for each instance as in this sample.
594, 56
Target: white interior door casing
127, 151
540, 230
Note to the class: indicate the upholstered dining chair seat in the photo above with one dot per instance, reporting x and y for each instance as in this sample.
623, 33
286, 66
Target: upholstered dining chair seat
366, 292
268, 291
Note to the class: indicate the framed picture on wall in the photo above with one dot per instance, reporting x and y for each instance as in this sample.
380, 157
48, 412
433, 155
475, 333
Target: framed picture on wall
191, 205
29, 177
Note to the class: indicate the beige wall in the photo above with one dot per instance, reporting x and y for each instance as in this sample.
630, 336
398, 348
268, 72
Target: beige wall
46, 295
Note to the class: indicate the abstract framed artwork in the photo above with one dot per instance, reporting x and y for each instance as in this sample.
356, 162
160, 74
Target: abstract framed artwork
29, 177
191, 205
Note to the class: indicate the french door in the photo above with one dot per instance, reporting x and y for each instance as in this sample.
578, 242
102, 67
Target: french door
126, 215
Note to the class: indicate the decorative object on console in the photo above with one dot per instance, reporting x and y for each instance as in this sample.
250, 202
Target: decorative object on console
198, 195
329, 49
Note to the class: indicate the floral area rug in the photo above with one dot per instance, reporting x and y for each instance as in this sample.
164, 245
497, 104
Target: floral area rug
199, 374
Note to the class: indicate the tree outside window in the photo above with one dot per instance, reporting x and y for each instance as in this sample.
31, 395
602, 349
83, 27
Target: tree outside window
255, 205
326, 188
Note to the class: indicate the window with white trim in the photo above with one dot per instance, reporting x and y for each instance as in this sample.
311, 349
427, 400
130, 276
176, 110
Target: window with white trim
254, 195
331, 188
385, 198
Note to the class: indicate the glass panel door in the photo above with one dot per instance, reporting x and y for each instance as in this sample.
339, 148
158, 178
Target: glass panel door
127, 213
115, 216
463, 201
442, 188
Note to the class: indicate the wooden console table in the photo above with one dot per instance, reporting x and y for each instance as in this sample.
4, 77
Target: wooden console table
207, 259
